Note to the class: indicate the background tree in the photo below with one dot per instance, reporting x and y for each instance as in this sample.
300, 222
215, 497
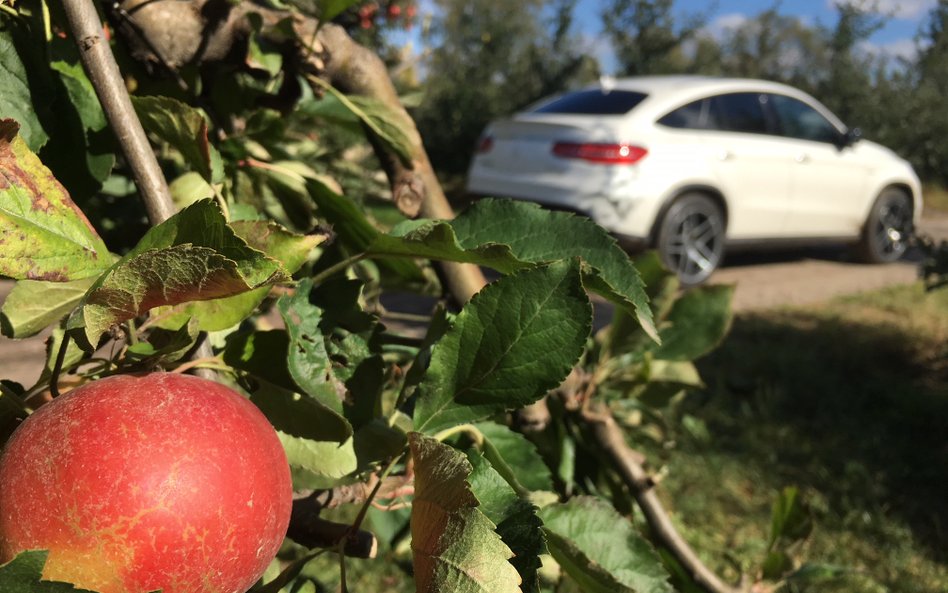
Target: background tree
490, 59
646, 37
927, 145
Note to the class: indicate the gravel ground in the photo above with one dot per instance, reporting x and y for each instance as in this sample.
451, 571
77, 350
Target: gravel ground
762, 281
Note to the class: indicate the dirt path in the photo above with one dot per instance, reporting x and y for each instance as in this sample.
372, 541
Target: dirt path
762, 281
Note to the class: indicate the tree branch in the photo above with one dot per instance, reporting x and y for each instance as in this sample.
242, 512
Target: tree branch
109, 85
612, 441
416, 189
103, 71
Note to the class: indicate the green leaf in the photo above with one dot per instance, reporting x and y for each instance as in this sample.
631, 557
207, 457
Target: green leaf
288, 248
165, 346
697, 323
601, 550
789, 518
309, 362
386, 123
24, 573
191, 256
263, 355
184, 128
509, 235
16, 98
318, 464
515, 340
353, 229
454, 544
539, 235
330, 9
516, 519
83, 99
299, 415
34, 305
189, 188
43, 234
515, 458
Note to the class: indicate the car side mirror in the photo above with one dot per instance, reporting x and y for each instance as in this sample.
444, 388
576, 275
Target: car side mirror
852, 136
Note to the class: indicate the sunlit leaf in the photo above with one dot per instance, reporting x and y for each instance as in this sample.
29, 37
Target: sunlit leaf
330, 9
191, 256
318, 464
34, 305
43, 235
516, 520
454, 544
288, 248
515, 340
509, 235
601, 550
23, 574
537, 235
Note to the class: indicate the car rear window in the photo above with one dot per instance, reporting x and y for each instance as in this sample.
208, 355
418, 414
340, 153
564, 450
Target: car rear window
593, 102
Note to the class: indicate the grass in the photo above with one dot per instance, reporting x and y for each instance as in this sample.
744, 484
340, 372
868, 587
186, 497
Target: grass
848, 402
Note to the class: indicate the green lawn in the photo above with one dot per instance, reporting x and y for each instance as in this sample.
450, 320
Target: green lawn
847, 401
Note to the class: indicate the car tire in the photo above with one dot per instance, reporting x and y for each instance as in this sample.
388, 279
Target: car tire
690, 239
888, 228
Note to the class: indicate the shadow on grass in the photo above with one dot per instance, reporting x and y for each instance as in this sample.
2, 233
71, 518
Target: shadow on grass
855, 411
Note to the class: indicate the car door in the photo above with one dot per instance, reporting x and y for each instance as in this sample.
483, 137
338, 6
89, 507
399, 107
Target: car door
752, 165
828, 179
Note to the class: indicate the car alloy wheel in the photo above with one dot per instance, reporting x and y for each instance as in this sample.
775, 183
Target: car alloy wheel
691, 238
888, 228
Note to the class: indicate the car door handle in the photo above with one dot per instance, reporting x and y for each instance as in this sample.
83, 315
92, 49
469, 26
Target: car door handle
724, 155
802, 158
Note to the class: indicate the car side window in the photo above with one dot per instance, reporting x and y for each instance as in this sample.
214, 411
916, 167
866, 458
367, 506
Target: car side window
799, 120
740, 112
692, 116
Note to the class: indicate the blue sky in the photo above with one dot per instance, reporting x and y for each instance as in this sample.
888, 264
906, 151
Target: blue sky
895, 39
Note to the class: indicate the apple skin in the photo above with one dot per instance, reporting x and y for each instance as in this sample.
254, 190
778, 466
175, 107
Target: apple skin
142, 482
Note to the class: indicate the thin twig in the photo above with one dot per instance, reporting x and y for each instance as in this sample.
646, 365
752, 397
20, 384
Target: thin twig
612, 441
103, 71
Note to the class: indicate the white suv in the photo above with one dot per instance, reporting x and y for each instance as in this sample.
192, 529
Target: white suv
687, 164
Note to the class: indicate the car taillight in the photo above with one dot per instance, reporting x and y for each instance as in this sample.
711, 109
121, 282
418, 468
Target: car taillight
484, 144
613, 154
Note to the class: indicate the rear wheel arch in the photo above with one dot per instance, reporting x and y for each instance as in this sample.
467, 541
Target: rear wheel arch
690, 235
707, 190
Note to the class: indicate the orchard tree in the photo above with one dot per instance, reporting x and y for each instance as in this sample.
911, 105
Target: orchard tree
646, 36
926, 143
490, 412
489, 59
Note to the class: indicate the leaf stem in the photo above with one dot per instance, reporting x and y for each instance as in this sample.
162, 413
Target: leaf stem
468, 429
337, 267
58, 366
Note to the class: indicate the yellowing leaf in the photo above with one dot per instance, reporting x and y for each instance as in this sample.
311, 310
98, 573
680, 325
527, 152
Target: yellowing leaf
43, 234
454, 544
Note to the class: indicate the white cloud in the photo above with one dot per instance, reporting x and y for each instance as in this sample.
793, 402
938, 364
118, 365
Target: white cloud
905, 49
725, 25
899, 9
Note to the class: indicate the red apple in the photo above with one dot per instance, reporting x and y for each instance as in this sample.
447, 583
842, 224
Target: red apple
137, 483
